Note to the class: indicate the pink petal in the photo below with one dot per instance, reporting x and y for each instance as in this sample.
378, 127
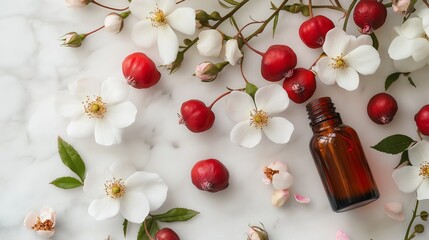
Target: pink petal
301, 199
279, 197
394, 211
341, 235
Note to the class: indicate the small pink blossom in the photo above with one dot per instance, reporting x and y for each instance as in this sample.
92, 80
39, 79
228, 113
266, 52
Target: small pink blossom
279, 197
341, 235
276, 173
394, 211
43, 223
206, 71
301, 199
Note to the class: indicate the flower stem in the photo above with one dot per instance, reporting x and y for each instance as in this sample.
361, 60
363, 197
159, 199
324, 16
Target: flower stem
407, 234
111, 8
338, 4
330, 7
310, 8
219, 98
147, 232
349, 11
96, 30
426, 2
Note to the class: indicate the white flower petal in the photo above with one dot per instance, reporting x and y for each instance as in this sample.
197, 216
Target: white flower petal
364, 59
325, 71
420, 49
134, 207
423, 190
151, 185
84, 88
419, 153
271, 99
232, 51
239, 106
336, 42
363, 39
144, 34
121, 170
168, 44
167, 6
45, 234
105, 134
182, 20
68, 105
426, 25
282, 181
407, 178
412, 28
104, 208
30, 220
114, 90
394, 211
278, 199
400, 48
94, 183
121, 115
279, 166
81, 126
245, 135
347, 78
47, 214
409, 65
279, 130
142, 8
209, 43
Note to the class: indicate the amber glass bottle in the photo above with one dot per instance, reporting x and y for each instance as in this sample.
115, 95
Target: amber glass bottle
339, 158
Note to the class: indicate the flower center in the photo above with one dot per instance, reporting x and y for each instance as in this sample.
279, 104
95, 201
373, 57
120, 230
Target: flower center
115, 188
157, 17
47, 225
95, 108
424, 170
259, 118
269, 173
339, 62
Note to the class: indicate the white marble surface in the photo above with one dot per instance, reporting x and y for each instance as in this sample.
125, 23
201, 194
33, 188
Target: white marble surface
34, 67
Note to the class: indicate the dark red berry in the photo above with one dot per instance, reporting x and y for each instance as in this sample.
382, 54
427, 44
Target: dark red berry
196, 116
277, 62
422, 120
166, 234
382, 108
301, 85
140, 71
210, 175
313, 31
369, 15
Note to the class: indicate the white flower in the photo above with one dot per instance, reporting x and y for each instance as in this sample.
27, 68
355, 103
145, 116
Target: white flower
411, 47
415, 177
77, 3
43, 223
99, 110
276, 173
119, 189
394, 211
113, 23
255, 117
346, 57
158, 18
232, 51
279, 197
210, 43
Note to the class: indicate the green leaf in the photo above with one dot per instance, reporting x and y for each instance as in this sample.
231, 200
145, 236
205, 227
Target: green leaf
251, 89
404, 159
375, 42
275, 22
71, 158
232, 2
66, 182
410, 80
176, 215
177, 63
152, 227
223, 4
391, 79
394, 144
125, 227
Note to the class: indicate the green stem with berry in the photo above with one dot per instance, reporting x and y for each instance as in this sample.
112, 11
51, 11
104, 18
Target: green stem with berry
413, 234
349, 11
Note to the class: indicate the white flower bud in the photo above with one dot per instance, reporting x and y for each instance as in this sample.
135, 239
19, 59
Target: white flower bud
232, 52
279, 197
210, 43
113, 23
77, 3
401, 6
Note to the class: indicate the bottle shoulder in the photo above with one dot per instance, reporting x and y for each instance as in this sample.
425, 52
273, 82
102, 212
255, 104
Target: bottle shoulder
341, 130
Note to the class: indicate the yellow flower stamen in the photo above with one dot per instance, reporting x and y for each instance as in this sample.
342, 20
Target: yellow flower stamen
47, 225
94, 108
339, 62
424, 170
157, 17
259, 118
115, 188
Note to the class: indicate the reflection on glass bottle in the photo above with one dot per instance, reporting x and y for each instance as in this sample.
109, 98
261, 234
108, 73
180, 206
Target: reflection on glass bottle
339, 158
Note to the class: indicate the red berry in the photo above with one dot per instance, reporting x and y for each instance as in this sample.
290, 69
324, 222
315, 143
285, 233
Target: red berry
166, 234
196, 116
277, 62
382, 108
140, 71
301, 85
313, 31
369, 15
422, 120
210, 175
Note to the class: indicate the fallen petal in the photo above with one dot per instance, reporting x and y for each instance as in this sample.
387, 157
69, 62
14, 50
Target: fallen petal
341, 235
301, 199
394, 211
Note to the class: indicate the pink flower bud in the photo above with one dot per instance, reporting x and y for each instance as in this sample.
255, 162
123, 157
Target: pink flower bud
206, 71
279, 197
77, 3
402, 6
43, 223
113, 23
